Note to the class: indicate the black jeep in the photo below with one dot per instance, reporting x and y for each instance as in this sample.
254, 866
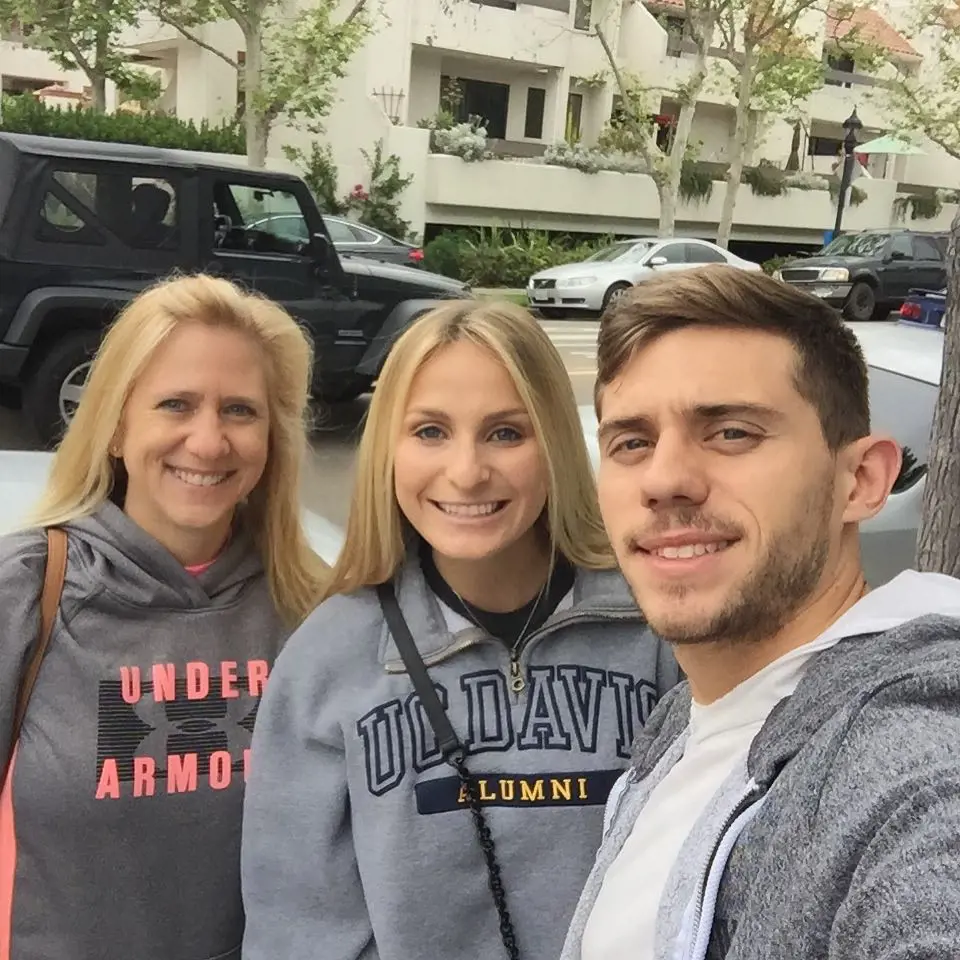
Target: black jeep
86, 226
868, 274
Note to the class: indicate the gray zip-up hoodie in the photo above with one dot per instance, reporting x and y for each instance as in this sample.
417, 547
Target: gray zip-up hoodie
120, 837
357, 842
840, 837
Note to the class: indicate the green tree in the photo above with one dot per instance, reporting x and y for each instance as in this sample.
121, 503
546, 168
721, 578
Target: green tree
80, 35
928, 102
637, 99
292, 63
773, 68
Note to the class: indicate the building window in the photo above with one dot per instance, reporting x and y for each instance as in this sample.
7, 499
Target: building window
839, 64
574, 117
478, 98
677, 33
582, 14
241, 77
824, 147
533, 125
502, 4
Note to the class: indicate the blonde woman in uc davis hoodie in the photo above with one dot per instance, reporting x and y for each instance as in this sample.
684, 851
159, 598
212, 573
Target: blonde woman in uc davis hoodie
474, 497
177, 486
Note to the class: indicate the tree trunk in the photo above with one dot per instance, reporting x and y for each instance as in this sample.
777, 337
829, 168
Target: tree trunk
98, 86
938, 546
668, 207
256, 121
742, 146
681, 135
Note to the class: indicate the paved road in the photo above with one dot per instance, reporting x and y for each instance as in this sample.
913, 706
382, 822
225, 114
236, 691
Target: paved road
327, 488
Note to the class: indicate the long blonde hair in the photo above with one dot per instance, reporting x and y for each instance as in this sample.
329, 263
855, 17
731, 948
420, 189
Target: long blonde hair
82, 474
374, 543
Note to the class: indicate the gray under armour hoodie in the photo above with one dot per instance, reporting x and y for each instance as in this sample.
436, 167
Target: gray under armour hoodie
120, 837
839, 839
357, 840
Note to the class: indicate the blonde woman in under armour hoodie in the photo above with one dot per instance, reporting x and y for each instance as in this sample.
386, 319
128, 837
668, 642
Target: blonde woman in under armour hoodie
474, 501
177, 486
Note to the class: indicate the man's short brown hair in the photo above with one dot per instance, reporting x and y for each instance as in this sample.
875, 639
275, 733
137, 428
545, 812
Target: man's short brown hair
831, 372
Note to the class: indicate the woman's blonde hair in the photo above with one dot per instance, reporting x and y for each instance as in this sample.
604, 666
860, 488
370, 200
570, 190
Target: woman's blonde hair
374, 545
82, 474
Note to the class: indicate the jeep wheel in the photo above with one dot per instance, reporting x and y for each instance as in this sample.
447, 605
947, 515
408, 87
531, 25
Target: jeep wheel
52, 393
861, 303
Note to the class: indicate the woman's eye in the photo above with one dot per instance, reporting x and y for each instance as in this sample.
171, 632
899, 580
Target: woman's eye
174, 404
429, 433
506, 435
241, 410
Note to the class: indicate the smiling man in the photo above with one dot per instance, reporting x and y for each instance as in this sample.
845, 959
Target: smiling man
799, 796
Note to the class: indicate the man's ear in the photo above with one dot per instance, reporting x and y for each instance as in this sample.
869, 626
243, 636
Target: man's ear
872, 465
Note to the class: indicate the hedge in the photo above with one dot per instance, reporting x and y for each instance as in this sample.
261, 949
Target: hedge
26, 114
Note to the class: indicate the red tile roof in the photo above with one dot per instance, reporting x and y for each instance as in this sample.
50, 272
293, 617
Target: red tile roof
870, 26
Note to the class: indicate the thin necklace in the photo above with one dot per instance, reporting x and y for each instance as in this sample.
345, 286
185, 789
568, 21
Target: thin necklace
523, 632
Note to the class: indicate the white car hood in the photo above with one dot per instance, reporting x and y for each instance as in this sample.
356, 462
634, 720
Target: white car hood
584, 269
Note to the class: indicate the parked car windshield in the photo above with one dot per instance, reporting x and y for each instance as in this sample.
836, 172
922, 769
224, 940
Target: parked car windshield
617, 250
856, 245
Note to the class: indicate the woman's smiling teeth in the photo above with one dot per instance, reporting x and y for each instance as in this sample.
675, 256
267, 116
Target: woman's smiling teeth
470, 509
199, 479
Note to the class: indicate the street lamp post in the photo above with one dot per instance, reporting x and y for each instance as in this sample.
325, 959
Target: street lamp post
852, 125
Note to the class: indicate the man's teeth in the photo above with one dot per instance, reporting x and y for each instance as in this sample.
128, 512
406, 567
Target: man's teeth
689, 550
200, 479
469, 509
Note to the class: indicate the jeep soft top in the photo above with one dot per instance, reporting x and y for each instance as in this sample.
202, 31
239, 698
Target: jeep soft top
85, 226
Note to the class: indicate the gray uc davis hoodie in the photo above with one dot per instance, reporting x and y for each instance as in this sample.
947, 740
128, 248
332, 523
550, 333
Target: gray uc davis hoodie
357, 842
121, 834
839, 839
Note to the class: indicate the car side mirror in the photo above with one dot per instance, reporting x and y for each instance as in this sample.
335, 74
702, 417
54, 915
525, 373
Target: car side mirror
896, 255
657, 262
321, 246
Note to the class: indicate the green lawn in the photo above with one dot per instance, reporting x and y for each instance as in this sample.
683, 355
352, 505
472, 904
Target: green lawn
514, 296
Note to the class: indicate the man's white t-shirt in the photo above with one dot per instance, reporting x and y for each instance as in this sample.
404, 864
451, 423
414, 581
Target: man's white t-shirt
623, 920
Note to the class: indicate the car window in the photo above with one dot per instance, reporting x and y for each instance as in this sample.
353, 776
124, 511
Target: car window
367, 236
925, 249
616, 251
141, 211
902, 408
339, 231
672, 252
901, 246
701, 253
856, 245
258, 219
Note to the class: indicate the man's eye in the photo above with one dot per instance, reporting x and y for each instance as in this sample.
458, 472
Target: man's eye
629, 445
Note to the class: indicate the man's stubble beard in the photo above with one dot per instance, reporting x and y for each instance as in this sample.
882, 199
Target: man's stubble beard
784, 578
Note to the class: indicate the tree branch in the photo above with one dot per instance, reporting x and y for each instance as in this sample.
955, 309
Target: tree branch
193, 38
236, 14
82, 62
358, 8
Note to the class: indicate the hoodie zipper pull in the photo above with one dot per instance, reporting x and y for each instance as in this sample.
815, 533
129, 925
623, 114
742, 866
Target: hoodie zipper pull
517, 683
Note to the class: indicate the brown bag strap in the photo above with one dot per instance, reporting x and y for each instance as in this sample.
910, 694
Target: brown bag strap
53, 578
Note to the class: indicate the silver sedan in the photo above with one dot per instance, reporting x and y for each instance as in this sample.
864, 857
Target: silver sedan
590, 285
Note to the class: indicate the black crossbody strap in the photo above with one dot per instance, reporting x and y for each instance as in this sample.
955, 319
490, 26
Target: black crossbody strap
446, 736
453, 753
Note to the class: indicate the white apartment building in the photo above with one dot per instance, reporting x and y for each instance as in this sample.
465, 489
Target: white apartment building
24, 69
535, 70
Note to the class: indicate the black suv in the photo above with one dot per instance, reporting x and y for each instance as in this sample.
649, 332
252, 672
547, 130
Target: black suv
869, 274
86, 226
